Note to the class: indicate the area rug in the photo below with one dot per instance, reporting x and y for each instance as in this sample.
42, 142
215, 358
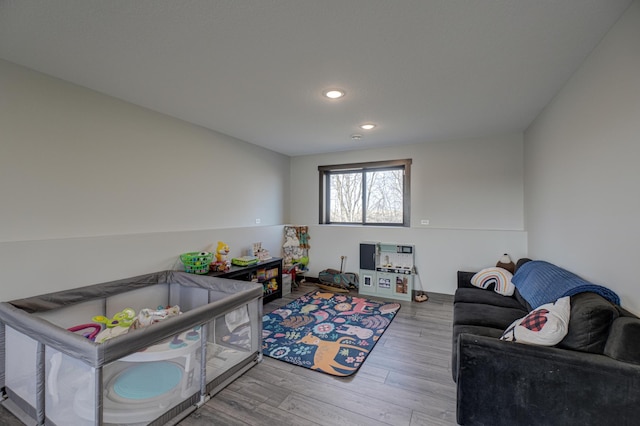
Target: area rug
327, 332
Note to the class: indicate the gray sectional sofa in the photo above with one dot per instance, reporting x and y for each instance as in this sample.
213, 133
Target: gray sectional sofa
592, 377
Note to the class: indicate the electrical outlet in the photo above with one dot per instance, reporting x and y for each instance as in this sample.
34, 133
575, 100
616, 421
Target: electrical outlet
424, 221
258, 221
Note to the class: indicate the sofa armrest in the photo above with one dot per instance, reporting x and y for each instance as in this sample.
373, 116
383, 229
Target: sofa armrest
507, 383
623, 342
464, 279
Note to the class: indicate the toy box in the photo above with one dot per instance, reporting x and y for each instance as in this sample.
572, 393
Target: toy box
149, 375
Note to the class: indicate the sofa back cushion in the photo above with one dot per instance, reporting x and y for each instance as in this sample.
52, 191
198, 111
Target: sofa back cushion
589, 323
541, 282
521, 262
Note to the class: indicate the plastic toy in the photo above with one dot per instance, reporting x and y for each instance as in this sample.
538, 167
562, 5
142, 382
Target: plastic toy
193, 334
177, 342
89, 335
271, 285
196, 262
123, 318
244, 260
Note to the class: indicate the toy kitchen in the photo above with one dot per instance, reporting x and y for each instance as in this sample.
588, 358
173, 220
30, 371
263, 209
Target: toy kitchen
387, 270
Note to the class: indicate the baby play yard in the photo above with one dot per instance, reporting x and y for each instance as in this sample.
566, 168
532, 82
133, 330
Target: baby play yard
137, 351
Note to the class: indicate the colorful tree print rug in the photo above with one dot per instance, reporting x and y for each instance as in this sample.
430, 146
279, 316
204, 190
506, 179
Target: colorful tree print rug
327, 332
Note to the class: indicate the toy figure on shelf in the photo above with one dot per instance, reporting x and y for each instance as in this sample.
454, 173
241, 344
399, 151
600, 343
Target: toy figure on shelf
222, 263
272, 285
260, 253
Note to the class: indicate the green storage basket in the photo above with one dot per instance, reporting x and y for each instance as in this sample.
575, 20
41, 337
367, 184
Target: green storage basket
196, 262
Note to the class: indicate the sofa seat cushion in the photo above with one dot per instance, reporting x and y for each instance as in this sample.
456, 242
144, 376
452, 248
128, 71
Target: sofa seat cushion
469, 329
589, 323
485, 315
477, 295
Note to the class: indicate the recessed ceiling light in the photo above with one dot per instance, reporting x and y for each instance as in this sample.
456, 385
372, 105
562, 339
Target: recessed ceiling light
356, 136
367, 126
334, 93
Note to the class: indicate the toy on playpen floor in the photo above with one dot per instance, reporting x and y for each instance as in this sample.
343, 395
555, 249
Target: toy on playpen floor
148, 316
124, 321
123, 318
115, 326
97, 328
177, 342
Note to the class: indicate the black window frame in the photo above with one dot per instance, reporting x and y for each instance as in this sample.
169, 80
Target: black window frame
325, 173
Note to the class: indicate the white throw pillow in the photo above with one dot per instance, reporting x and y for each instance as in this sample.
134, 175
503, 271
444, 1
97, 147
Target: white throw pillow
546, 325
495, 275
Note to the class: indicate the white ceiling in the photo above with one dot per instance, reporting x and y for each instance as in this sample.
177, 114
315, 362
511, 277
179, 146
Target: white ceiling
423, 70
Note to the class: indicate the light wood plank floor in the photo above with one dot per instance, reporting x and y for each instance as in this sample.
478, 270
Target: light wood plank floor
406, 380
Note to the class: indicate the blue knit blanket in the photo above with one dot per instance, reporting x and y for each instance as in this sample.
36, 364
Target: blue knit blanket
540, 282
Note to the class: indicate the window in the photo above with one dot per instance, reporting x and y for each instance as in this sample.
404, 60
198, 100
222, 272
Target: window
376, 193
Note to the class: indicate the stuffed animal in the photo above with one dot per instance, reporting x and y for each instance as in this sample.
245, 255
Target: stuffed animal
303, 236
222, 251
505, 262
147, 316
222, 263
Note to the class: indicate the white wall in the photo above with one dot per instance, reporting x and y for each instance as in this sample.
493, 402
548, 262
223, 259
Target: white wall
35, 267
93, 188
581, 167
471, 191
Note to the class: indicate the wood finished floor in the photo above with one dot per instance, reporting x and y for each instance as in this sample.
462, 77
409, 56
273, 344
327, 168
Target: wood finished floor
405, 380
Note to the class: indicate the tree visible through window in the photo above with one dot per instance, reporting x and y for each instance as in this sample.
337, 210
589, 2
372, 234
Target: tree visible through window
366, 193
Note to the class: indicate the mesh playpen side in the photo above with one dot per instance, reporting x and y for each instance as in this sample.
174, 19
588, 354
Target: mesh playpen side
148, 375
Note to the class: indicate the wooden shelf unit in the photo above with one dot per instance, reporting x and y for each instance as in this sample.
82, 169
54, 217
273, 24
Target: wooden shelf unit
267, 272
